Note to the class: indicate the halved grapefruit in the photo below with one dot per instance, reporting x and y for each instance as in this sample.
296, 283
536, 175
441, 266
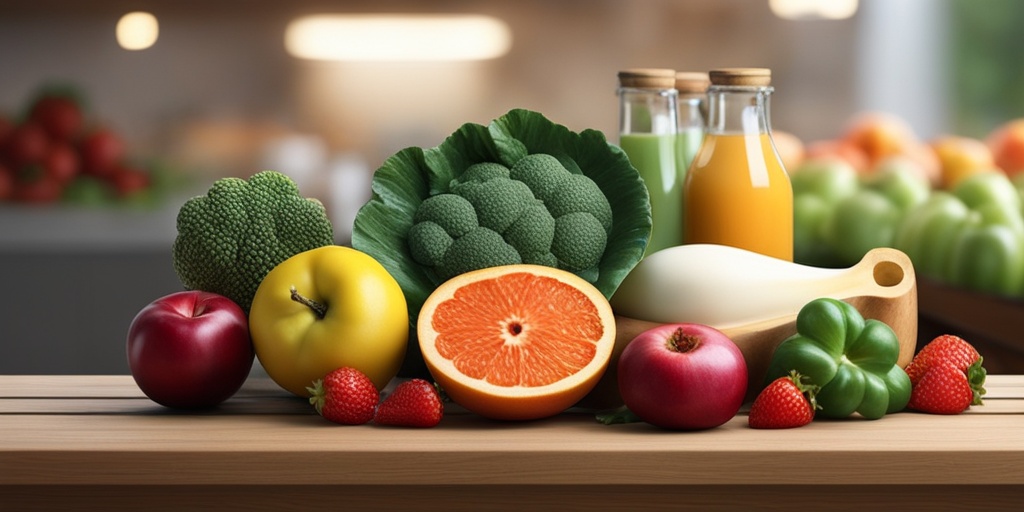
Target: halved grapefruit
516, 342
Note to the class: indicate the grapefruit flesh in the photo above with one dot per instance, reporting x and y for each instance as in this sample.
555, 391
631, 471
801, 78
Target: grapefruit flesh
516, 342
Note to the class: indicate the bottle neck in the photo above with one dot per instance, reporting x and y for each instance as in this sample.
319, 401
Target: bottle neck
648, 111
693, 112
738, 110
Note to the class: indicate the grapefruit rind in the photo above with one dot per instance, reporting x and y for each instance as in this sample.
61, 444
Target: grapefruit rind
515, 402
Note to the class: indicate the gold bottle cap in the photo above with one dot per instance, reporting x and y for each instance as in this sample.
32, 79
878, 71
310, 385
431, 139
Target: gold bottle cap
755, 77
692, 82
648, 78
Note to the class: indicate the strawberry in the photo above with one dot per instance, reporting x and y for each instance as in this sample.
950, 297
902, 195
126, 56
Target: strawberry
413, 403
945, 349
953, 352
787, 402
942, 389
346, 396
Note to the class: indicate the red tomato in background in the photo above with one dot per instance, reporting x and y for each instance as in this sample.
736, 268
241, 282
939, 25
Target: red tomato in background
25, 145
6, 127
129, 180
6, 182
101, 151
45, 189
60, 116
61, 162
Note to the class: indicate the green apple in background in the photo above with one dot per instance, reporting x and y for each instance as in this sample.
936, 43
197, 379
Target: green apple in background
869, 217
901, 181
828, 178
989, 258
861, 222
1018, 181
971, 238
818, 185
994, 196
810, 215
839, 215
927, 233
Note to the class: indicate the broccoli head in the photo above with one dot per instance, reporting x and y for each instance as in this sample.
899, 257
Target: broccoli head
232, 237
535, 212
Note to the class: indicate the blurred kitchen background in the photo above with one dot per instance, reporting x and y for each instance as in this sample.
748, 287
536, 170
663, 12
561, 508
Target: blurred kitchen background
220, 93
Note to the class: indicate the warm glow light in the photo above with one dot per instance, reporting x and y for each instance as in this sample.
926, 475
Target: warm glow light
380, 37
137, 30
813, 9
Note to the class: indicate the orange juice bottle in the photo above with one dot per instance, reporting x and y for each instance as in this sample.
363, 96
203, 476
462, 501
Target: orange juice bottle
737, 192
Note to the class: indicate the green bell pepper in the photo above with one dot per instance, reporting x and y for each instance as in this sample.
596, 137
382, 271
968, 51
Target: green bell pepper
838, 215
852, 359
972, 237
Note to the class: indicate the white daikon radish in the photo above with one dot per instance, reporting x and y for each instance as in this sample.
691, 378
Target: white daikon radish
725, 287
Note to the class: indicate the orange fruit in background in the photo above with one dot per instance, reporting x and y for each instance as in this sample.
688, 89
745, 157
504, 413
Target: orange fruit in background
960, 157
790, 148
842, 149
516, 342
927, 161
1007, 145
880, 135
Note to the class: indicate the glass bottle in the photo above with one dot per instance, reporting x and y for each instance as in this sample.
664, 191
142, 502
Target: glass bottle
692, 88
737, 191
648, 111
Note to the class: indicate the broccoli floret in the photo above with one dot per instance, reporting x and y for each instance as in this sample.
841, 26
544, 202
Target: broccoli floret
231, 238
544, 174
534, 212
532, 233
483, 171
543, 258
498, 202
428, 242
480, 248
579, 241
452, 212
581, 194
561, 190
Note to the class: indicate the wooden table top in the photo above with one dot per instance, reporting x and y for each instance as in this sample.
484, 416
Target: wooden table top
98, 430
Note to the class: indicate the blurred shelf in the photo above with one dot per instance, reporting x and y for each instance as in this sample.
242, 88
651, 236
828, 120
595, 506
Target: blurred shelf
993, 324
66, 228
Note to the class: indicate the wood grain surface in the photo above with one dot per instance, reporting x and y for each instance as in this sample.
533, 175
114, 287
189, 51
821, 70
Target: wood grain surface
85, 437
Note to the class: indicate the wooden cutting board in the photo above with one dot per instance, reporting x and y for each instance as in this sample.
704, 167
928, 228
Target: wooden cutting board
881, 286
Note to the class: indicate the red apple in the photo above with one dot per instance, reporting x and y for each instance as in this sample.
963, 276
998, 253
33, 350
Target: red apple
190, 349
683, 376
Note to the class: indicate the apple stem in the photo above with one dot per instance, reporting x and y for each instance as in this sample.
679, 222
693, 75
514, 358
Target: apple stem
679, 341
320, 310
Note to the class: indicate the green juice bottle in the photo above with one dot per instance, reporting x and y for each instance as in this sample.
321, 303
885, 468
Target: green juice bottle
648, 132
